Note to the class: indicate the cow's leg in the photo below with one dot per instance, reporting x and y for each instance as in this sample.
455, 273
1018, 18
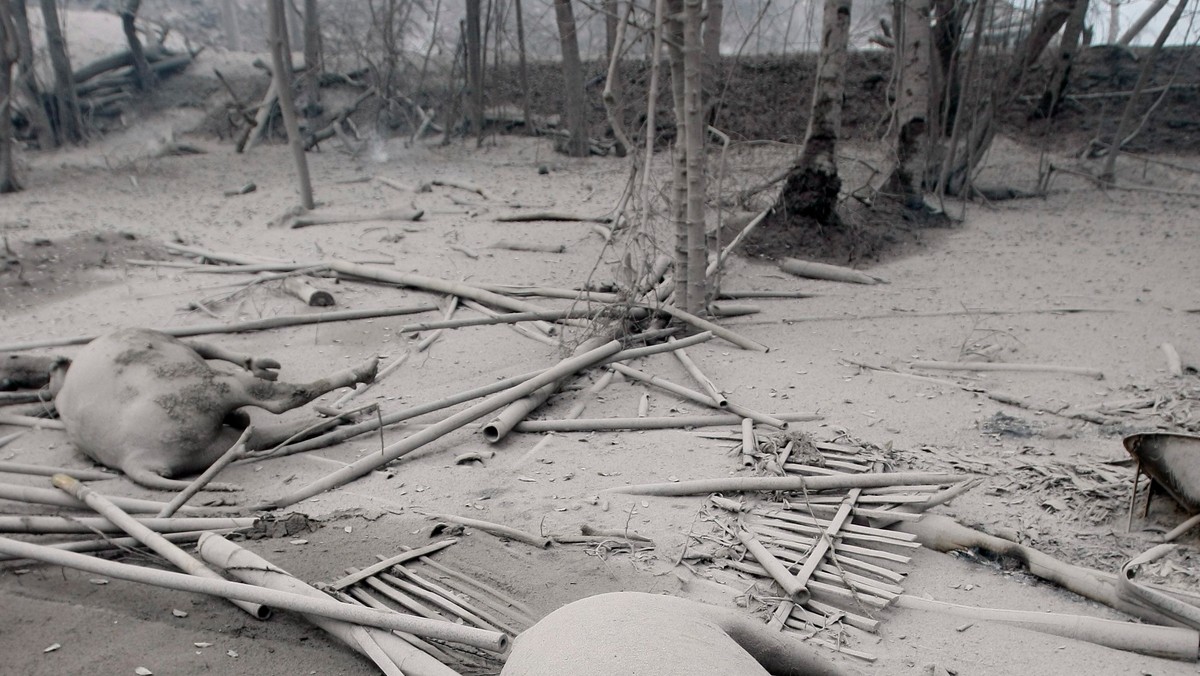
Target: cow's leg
261, 367
280, 397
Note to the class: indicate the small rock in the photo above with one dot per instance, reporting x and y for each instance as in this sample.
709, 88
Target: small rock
179, 613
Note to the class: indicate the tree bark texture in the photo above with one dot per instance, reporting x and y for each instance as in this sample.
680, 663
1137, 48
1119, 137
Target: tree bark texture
693, 67
287, 106
313, 48
474, 60
9, 53
673, 30
522, 69
573, 94
912, 103
26, 78
812, 185
69, 121
142, 75
614, 97
1068, 47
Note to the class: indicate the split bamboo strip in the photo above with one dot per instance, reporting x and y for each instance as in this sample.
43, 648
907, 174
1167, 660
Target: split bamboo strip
235, 451
240, 327
553, 292
494, 528
782, 612
890, 499
398, 597
695, 396
843, 560
854, 620
845, 465
835, 646
383, 565
512, 603
30, 421
463, 599
675, 422
811, 470
350, 431
463, 291
498, 318
717, 330
253, 569
157, 543
794, 588
268, 597
997, 366
106, 544
362, 597
496, 606
786, 483
448, 605
802, 546
49, 496
809, 529
372, 462
821, 589
91, 524
772, 511
697, 375
887, 516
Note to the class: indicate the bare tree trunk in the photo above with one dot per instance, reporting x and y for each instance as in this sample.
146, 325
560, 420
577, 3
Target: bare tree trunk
1114, 21
714, 14
474, 58
523, 70
8, 58
1068, 47
294, 34
287, 106
614, 87
456, 93
912, 103
312, 59
70, 123
229, 20
1110, 162
1140, 25
143, 76
812, 185
693, 67
573, 95
673, 29
26, 80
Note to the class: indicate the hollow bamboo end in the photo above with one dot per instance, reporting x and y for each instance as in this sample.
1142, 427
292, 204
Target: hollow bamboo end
491, 432
65, 482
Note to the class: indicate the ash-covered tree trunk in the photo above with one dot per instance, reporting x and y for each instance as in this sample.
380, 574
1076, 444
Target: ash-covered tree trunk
70, 123
573, 94
142, 75
277, 26
26, 79
1068, 47
522, 69
613, 46
811, 188
912, 104
8, 58
474, 60
694, 128
312, 59
673, 36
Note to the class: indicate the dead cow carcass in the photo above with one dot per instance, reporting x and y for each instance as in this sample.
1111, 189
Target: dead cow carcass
149, 405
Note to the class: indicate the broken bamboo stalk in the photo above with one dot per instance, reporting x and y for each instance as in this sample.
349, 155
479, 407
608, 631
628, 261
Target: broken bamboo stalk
514, 413
263, 324
447, 604
499, 318
717, 330
398, 597
311, 295
1174, 643
34, 422
775, 569
749, 442
852, 619
697, 397
49, 496
673, 422
540, 336
822, 542
496, 529
816, 589
550, 216
787, 483
125, 542
237, 450
782, 612
697, 375
826, 272
407, 555
157, 543
466, 601
361, 597
1182, 528
801, 518
803, 545
372, 462
45, 470
90, 524
996, 366
526, 613
461, 185
512, 245
446, 631
335, 219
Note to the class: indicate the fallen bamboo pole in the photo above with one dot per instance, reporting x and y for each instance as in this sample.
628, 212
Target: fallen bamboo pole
90, 524
264, 324
996, 366
697, 375
312, 219
794, 588
698, 397
801, 519
157, 543
44, 470
269, 597
343, 433
235, 451
372, 462
550, 216
49, 496
826, 272
31, 421
361, 597
786, 483
674, 422
124, 542
496, 529
539, 336
514, 413
443, 603
717, 330
408, 555
822, 543
1174, 643
253, 569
